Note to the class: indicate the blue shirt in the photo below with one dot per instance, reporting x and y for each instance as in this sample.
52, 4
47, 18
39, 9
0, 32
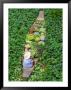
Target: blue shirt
27, 63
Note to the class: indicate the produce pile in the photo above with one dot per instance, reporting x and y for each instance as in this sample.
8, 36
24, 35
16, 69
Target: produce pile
49, 66
35, 39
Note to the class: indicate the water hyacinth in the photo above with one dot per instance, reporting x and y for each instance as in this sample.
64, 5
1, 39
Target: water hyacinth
51, 56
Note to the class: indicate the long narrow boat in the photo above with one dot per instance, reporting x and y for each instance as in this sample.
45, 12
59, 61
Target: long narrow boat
35, 39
